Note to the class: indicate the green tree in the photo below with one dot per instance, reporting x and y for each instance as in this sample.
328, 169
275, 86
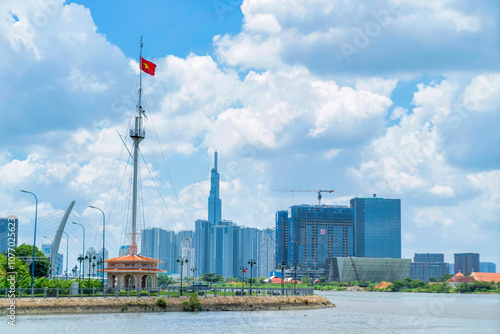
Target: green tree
211, 278
253, 280
432, 279
463, 288
441, 288
42, 264
16, 266
306, 280
164, 280
416, 284
397, 285
446, 277
481, 286
262, 280
322, 280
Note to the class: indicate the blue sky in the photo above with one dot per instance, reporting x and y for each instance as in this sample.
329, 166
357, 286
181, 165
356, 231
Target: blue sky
397, 98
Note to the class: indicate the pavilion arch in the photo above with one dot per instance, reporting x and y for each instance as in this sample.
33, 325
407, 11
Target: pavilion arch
128, 282
113, 281
146, 281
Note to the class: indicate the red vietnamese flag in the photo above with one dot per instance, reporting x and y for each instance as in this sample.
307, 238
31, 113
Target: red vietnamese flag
147, 66
245, 271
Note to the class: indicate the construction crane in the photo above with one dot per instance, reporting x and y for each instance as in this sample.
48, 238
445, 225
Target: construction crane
307, 191
360, 283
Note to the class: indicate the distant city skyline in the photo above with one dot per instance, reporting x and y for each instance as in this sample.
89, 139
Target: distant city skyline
291, 97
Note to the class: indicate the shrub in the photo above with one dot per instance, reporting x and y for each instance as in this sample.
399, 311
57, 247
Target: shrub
193, 304
161, 302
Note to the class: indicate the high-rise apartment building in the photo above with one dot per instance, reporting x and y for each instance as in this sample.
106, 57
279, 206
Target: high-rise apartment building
377, 227
466, 263
312, 234
160, 244
282, 241
426, 265
487, 267
202, 246
8, 232
267, 251
214, 202
222, 248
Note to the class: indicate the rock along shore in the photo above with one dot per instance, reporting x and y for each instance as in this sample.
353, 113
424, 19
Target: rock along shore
38, 306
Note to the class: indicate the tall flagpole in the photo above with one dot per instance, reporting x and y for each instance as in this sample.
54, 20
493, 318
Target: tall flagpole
137, 135
140, 79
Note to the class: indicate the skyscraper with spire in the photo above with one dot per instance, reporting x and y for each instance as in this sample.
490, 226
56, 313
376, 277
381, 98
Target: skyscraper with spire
214, 202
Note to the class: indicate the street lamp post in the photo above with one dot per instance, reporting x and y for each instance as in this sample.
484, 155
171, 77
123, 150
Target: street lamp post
283, 279
295, 279
251, 263
193, 270
103, 238
34, 240
80, 259
75, 269
181, 260
243, 271
83, 250
90, 262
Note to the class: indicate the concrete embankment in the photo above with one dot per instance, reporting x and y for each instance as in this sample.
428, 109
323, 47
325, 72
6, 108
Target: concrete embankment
39, 306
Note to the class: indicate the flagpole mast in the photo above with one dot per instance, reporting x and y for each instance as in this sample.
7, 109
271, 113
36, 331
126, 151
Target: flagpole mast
140, 79
137, 134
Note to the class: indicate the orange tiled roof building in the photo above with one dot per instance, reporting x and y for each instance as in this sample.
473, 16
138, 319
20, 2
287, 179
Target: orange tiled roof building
132, 272
460, 278
486, 277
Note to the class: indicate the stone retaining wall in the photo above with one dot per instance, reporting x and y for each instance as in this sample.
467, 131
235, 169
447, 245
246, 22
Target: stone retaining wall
37, 306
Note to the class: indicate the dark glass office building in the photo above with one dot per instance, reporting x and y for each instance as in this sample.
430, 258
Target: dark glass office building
466, 263
377, 227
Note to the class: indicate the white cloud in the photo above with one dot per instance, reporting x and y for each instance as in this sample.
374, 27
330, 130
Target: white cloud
262, 23
356, 36
443, 191
331, 154
432, 217
483, 93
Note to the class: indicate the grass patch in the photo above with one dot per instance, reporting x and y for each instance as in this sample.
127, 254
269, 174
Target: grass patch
193, 304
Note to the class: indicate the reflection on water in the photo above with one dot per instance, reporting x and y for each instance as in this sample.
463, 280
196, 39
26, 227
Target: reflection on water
356, 312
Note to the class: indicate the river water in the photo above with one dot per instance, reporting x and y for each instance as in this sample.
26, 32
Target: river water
356, 312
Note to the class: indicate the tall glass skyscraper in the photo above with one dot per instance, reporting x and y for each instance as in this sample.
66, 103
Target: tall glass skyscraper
214, 202
377, 227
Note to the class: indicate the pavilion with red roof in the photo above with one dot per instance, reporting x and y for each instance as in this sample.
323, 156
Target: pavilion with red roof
132, 272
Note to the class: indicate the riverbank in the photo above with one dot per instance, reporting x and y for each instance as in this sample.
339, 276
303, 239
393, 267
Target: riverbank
40, 306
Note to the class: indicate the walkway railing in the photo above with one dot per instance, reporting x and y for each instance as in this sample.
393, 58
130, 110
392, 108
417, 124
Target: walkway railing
171, 291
